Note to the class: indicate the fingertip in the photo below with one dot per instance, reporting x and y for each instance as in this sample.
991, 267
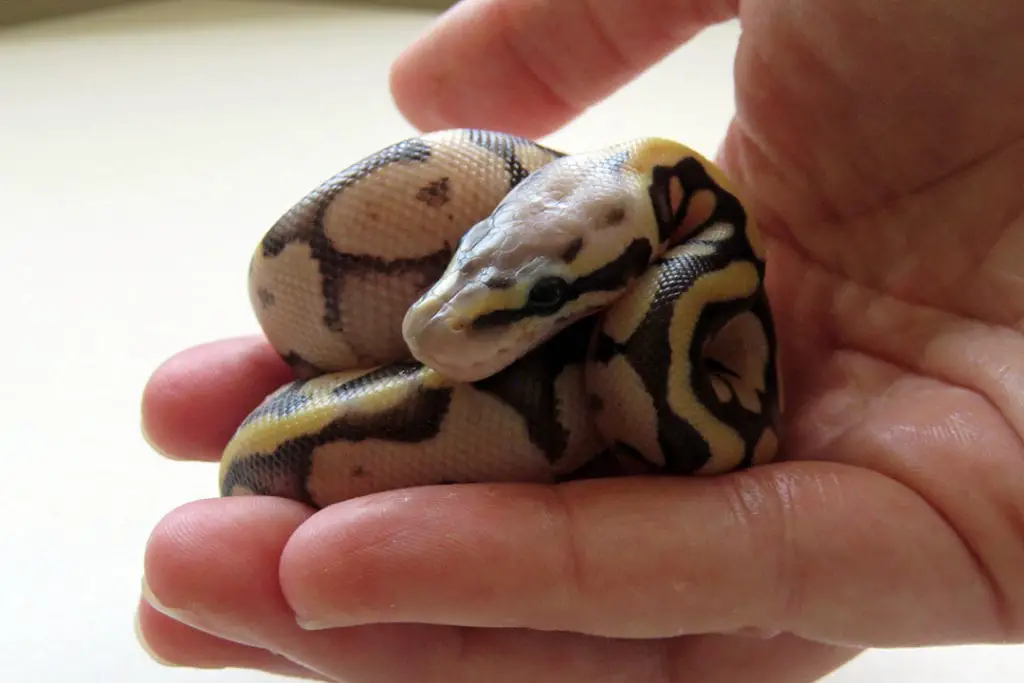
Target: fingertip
416, 100
529, 68
464, 73
147, 619
194, 401
399, 556
171, 643
325, 561
212, 555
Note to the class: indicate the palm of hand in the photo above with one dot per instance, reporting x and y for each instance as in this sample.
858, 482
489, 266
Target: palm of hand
886, 168
893, 197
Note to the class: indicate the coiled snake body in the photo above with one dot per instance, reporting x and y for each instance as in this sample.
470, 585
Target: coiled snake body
470, 306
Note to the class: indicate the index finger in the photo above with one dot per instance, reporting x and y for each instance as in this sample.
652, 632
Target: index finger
195, 400
530, 66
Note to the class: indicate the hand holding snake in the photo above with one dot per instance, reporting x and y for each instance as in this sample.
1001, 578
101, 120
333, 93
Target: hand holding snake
877, 145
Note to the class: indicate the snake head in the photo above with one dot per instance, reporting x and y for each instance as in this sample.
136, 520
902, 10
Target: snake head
563, 244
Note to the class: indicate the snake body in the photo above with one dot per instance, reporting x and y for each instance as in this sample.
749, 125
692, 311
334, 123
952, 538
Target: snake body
472, 306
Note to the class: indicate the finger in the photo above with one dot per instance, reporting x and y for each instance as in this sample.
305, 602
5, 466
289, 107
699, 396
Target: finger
173, 643
784, 658
213, 565
529, 66
830, 552
194, 401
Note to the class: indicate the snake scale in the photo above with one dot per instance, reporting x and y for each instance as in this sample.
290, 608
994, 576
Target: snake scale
472, 306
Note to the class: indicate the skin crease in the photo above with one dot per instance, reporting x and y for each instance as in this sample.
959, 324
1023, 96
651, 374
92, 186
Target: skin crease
881, 146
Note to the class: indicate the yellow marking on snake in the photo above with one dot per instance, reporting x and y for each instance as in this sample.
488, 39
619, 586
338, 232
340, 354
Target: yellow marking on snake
737, 280
470, 306
767, 447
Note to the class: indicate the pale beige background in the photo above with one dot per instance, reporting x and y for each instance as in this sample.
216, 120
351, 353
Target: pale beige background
18, 11
143, 151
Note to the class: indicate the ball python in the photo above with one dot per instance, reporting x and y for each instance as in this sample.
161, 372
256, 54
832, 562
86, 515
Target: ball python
473, 306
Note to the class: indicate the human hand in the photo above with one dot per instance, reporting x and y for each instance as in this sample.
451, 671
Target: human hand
881, 147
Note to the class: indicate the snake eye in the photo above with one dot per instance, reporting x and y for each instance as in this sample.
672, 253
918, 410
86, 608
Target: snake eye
548, 294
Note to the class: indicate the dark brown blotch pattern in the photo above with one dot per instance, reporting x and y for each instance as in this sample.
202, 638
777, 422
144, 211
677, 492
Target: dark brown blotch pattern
435, 194
572, 250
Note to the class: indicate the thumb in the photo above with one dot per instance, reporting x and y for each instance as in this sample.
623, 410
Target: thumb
530, 66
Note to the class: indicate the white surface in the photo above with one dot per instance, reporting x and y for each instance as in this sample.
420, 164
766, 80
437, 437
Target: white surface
143, 152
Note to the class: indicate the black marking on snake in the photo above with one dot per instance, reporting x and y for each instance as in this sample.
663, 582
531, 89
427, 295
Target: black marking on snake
572, 250
748, 424
715, 366
605, 348
632, 461
615, 216
265, 296
693, 177
618, 273
603, 465
683, 446
612, 276
618, 460
416, 419
617, 161
528, 386
334, 265
305, 220
505, 148
771, 407
500, 282
400, 372
286, 401
302, 368
435, 194
270, 475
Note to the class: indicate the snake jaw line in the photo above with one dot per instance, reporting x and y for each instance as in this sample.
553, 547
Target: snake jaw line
439, 331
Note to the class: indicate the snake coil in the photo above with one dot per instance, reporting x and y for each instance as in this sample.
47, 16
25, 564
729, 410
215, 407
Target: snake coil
471, 306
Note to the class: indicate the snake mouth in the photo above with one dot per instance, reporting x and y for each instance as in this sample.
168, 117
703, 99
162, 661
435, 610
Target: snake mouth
448, 344
439, 331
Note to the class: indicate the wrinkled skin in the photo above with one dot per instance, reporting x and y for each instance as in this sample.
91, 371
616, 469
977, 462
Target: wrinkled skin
882, 145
